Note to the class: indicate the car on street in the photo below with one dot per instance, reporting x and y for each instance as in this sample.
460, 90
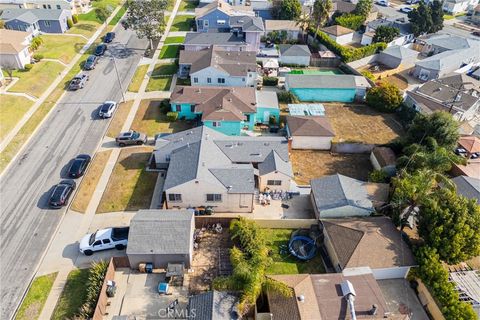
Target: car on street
476, 33
91, 62
106, 109
79, 166
131, 138
104, 239
383, 3
100, 49
61, 193
78, 82
406, 9
412, 1
109, 37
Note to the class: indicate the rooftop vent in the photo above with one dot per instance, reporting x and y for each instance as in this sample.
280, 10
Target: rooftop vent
301, 298
229, 146
266, 144
255, 154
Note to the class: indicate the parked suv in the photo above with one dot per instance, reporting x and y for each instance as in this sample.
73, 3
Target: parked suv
130, 138
78, 82
100, 49
91, 62
109, 37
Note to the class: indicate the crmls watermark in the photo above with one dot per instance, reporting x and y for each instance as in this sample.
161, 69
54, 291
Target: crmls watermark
173, 313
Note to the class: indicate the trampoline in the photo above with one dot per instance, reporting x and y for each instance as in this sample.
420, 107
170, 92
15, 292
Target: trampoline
302, 247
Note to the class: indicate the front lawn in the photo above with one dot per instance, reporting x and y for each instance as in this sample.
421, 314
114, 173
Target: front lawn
169, 52
283, 261
176, 40
36, 80
182, 23
150, 120
92, 16
159, 84
161, 77
130, 187
73, 295
118, 16
60, 47
187, 5
85, 28
138, 78
12, 110
121, 114
34, 301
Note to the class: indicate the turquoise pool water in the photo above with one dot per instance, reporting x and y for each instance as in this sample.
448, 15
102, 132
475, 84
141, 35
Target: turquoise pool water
325, 95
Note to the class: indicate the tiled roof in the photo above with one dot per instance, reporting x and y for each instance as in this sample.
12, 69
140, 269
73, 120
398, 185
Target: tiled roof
337, 30
12, 41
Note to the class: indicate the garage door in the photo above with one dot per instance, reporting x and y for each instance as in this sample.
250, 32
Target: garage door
390, 273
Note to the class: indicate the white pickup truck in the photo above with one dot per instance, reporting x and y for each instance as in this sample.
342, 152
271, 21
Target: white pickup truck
104, 239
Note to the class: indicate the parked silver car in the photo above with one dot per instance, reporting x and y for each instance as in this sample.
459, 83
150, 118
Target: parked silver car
131, 138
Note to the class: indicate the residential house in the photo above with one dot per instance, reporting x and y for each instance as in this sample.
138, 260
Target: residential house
343, 7
338, 196
208, 168
161, 237
196, 41
468, 187
475, 17
294, 54
76, 6
404, 27
396, 56
289, 26
339, 34
227, 110
14, 48
456, 93
213, 305
310, 132
214, 67
327, 88
36, 20
372, 243
446, 54
325, 297
219, 16
458, 6
383, 158
469, 147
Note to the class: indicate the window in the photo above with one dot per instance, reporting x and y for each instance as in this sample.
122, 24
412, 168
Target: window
49, 7
274, 182
47, 23
97, 243
205, 23
175, 197
221, 22
216, 124
195, 80
243, 79
209, 80
106, 241
178, 108
221, 80
192, 108
58, 7
213, 197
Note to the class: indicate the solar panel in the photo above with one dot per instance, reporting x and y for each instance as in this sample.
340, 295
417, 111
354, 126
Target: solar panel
302, 109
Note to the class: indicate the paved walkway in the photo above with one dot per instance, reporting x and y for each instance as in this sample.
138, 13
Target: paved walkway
8, 138
76, 224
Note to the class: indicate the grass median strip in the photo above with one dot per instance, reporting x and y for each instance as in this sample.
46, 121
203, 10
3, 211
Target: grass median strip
118, 16
90, 181
169, 52
175, 40
36, 297
12, 110
182, 23
118, 120
130, 187
138, 78
73, 295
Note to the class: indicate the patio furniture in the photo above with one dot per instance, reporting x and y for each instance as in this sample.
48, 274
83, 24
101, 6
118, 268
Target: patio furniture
163, 288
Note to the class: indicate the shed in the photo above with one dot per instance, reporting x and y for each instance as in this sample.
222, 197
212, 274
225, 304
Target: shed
294, 54
383, 158
307, 132
339, 34
161, 237
395, 56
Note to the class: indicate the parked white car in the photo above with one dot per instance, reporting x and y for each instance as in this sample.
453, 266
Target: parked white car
383, 3
406, 9
107, 109
104, 239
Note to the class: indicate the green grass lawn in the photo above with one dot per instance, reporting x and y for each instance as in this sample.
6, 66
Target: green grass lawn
118, 16
85, 28
164, 69
138, 78
161, 78
12, 110
34, 301
92, 16
284, 263
182, 23
36, 80
169, 51
187, 5
59, 47
73, 295
176, 40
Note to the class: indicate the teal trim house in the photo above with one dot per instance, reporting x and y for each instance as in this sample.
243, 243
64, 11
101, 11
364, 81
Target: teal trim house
227, 110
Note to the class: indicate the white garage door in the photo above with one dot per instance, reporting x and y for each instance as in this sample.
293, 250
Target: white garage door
390, 273
314, 143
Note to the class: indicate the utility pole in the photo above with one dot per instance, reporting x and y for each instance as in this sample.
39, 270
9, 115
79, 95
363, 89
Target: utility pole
118, 78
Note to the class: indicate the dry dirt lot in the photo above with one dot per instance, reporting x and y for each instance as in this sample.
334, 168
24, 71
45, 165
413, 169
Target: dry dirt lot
360, 123
309, 164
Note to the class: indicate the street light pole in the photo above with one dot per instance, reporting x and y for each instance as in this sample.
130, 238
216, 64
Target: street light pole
118, 78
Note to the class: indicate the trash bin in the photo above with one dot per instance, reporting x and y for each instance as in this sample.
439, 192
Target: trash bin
149, 267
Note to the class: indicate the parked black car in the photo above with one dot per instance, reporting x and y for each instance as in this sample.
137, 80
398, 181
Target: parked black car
100, 49
79, 166
109, 37
91, 62
61, 193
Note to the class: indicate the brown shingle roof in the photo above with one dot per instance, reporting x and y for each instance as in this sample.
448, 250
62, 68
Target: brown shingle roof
279, 25
385, 156
470, 143
368, 242
310, 126
11, 41
337, 30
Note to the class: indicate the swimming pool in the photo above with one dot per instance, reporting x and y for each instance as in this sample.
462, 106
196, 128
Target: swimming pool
318, 71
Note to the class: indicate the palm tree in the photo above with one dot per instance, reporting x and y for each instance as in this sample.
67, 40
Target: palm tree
321, 12
303, 22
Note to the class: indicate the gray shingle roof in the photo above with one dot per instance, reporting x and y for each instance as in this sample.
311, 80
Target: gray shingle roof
273, 163
400, 52
256, 150
346, 81
468, 187
247, 23
404, 27
31, 15
294, 50
213, 305
184, 161
338, 190
161, 232
212, 38
449, 42
236, 178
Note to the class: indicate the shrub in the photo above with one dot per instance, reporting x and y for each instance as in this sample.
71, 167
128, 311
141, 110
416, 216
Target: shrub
350, 21
272, 120
378, 176
270, 81
38, 56
367, 74
164, 106
75, 18
96, 276
386, 97
28, 67
69, 23
286, 97
172, 116
35, 44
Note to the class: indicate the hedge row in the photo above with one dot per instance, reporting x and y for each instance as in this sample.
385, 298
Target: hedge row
345, 53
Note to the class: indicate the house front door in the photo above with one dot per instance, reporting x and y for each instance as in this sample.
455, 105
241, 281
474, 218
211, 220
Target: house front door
266, 117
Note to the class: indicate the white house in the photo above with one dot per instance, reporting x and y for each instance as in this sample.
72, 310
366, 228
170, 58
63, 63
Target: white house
406, 34
310, 132
294, 54
76, 6
458, 6
14, 48
289, 26
339, 34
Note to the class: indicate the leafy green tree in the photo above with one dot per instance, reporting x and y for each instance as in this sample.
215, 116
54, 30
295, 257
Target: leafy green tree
287, 9
69, 23
385, 34
451, 224
364, 7
439, 125
320, 13
351, 21
378, 176
147, 18
75, 18
385, 97
436, 12
421, 19
303, 22
102, 13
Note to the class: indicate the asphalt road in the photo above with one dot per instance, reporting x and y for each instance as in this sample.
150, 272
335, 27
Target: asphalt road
26, 223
